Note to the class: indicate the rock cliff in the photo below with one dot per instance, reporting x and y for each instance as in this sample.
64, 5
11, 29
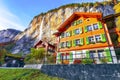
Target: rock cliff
8, 35
45, 24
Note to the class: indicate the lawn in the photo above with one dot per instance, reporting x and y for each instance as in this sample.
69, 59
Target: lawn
24, 74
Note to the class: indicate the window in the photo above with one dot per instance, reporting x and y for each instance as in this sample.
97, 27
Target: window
101, 54
77, 31
67, 57
79, 21
62, 35
72, 24
98, 38
89, 28
78, 55
68, 34
68, 44
92, 54
63, 44
95, 26
77, 42
64, 57
91, 39
76, 22
83, 55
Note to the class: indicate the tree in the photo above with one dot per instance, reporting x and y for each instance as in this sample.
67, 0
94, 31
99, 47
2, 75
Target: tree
117, 10
3, 52
38, 54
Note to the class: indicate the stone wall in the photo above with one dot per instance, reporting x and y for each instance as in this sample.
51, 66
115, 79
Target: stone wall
84, 72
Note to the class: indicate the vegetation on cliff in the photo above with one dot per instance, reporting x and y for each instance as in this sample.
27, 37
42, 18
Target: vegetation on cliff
96, 4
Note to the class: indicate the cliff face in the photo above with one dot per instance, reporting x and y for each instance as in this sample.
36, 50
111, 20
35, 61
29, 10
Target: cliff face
43, 26
8, 35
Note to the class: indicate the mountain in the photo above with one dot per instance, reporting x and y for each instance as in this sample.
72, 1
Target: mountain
45, 24
8, 35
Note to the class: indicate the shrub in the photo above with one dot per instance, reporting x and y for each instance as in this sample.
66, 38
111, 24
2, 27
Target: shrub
87, 61
104, 60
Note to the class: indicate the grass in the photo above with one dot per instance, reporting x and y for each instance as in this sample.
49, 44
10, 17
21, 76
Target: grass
24, 74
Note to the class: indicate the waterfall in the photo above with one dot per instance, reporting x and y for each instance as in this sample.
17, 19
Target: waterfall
40, 29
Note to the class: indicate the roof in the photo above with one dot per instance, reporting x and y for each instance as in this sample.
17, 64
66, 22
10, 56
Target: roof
40, 42
111, 17
37, 44
75, 16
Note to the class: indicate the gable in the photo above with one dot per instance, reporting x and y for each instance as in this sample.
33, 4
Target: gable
75, 17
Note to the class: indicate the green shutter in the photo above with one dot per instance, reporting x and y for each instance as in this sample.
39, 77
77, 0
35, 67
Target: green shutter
69, 43
87, 40
75, 23
103, 38
71, 57
81, 41
87, 54
100, 25
73, 32
108, 55
70, 32
73, 43
80, 21
80, 30
59, 54
85, 28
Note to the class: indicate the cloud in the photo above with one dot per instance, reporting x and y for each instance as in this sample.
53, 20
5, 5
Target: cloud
8, 19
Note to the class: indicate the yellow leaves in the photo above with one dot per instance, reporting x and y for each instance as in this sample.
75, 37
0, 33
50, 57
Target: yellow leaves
117, 8
118, 22
119, 39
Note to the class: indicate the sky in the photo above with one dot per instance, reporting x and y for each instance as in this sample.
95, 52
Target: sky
17, 14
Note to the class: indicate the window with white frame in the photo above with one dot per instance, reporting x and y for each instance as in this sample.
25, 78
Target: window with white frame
78, 55
89, 27
64, 57
67, 57
77, 42
77, 31
91, 39
95, 26
67, 43
84, 55
62, 35
98, 38
67, 34
63, 44
101, 54
92, 54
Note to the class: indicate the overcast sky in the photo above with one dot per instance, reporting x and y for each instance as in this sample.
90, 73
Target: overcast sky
17, 14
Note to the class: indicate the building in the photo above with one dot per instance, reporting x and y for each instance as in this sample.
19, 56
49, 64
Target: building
84, 37
43, 44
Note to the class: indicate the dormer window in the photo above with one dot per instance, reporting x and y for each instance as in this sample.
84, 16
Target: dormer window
76, 22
